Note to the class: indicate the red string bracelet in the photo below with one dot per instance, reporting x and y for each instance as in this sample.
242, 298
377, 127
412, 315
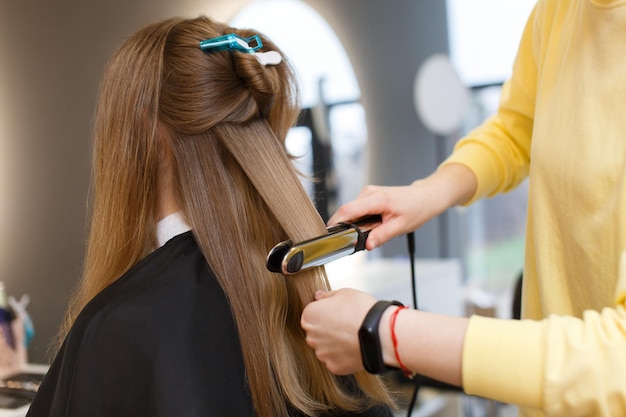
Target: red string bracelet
392, 323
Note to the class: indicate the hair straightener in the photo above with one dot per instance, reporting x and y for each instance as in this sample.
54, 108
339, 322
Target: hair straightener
341, 240
344, 239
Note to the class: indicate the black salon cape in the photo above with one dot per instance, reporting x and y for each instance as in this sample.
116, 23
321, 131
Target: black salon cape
160, 341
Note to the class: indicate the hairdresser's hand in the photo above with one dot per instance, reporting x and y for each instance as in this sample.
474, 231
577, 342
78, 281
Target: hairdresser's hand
405, 208
331, 323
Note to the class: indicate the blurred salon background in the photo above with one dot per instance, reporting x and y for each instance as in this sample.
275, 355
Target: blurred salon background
388, 88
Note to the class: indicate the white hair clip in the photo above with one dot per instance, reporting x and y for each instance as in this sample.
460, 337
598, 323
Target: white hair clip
268, 58
233, 42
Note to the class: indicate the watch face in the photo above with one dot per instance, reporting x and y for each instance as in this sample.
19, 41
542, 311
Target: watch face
368, 350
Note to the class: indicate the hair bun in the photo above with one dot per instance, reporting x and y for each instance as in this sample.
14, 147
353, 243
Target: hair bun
264, 81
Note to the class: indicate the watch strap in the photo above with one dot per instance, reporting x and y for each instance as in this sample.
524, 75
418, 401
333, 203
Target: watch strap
369, 339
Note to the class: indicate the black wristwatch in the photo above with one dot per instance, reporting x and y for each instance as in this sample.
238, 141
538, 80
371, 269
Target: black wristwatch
369, 340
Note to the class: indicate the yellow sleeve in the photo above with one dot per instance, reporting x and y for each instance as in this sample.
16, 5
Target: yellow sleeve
504, 360
586, 364
562, 365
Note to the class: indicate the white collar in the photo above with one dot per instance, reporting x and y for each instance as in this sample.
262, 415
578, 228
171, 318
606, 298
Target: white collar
170, 226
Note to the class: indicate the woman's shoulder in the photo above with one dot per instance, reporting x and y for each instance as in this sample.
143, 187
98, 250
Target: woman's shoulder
158, 324
154, 296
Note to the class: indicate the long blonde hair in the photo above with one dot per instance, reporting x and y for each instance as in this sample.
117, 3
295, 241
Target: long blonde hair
226, 118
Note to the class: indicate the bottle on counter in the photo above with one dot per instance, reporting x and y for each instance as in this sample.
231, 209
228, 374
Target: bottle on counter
6, 317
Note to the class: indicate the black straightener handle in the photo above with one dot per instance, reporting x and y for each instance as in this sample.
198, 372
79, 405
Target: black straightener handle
341, 240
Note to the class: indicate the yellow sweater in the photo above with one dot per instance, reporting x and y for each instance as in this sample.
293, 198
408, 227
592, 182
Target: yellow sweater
564, 109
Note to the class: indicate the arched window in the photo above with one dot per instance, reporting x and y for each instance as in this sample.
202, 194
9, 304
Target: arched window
332, 136
493, 229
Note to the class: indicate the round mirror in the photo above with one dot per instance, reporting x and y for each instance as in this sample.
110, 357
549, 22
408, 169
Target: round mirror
441, 99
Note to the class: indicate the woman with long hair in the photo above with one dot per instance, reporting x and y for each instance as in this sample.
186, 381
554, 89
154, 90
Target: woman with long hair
176, 313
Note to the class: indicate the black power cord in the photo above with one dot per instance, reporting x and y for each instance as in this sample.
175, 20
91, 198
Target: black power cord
417, 379
411, 245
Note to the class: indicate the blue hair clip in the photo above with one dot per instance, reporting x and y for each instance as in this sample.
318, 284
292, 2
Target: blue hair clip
232, 42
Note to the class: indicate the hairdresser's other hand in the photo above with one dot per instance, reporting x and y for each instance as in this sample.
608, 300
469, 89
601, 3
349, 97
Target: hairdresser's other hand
331, 323
405, 208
